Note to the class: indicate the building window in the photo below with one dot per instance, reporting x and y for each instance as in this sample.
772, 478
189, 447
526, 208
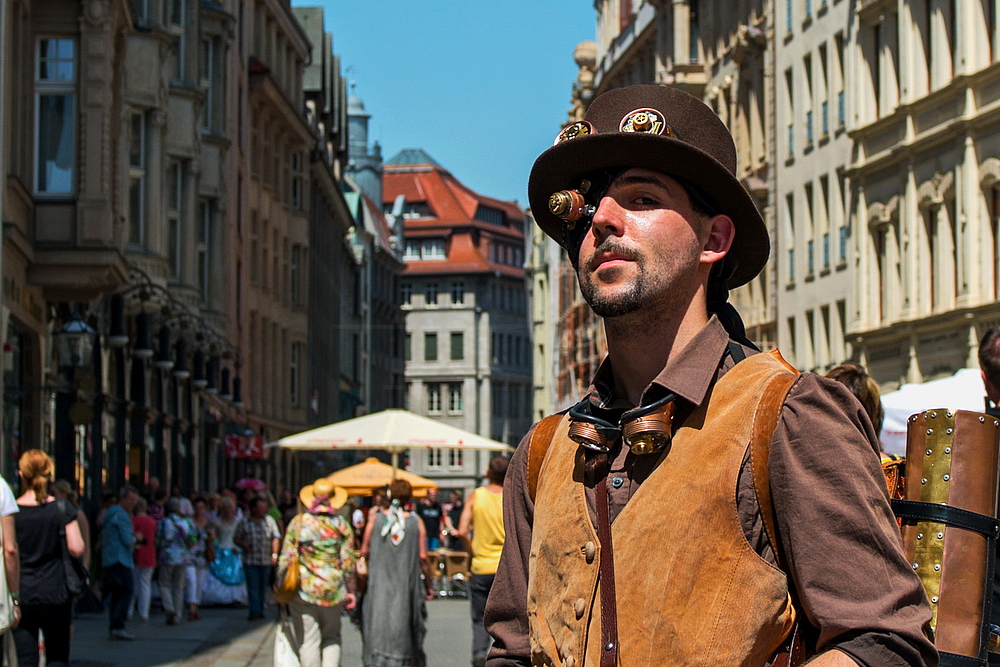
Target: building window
430, 347
434, 458
455, 398
175, 26
455, 458
175, 214
432, 249
457, 294
203, 248
208, 48
842, 258
789, 16
55, 101
295, 274
431, 294
408, 347
137, 163
790, 111
297, 181
434, 398
457, 346
407, 293
412, 252
294, 361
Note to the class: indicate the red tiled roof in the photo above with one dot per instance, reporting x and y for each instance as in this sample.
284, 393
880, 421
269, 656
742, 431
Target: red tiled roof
454, 208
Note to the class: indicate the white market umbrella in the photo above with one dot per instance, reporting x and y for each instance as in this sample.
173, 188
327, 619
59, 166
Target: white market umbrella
390, 430
962, 391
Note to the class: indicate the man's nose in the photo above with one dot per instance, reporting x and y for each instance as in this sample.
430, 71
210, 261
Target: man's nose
607, 220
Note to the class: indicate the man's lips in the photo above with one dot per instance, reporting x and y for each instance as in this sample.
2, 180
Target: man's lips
609, 258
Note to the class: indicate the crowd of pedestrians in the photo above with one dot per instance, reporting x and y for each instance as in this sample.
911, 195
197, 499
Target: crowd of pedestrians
370, 560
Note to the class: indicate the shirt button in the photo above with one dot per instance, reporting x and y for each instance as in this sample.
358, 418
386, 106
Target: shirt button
617, 482
589, 551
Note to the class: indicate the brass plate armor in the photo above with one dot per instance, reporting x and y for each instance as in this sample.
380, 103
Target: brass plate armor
934, 488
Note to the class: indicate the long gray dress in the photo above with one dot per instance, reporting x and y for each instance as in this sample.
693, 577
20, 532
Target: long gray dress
394, 614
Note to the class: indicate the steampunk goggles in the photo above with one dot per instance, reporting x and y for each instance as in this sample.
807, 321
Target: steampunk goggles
646, 429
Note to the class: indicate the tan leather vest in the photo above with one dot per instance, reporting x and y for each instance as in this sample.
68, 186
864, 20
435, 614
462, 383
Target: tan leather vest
690, 589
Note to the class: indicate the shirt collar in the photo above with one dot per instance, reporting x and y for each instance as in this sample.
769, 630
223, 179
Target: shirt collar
688, 374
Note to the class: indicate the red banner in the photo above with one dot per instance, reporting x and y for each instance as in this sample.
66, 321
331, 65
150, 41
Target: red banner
244, 446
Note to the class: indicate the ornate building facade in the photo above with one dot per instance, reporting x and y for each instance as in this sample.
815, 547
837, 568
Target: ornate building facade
924, 110
162, 162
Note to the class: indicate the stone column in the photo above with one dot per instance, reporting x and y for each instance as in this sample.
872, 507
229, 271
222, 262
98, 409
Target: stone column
95, 172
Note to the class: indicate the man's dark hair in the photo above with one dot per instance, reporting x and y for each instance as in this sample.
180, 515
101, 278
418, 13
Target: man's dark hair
989, 355
497, 470
127, 489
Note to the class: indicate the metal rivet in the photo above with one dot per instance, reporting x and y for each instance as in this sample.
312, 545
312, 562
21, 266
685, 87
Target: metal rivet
609, 646
929, 431
949, 431
940, 536
933, 415
982, 420
923, 481
934, 599
916, 565
937, 568
946, 477
929, 452
920, 536
948, 414
947, 450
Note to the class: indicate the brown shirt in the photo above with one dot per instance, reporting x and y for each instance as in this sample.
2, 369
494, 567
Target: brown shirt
835, 525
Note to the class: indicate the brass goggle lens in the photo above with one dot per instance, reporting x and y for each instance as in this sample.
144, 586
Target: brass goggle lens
586, 435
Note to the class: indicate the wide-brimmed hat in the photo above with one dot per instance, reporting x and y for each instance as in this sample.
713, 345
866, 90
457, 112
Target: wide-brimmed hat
658, 128
329, 494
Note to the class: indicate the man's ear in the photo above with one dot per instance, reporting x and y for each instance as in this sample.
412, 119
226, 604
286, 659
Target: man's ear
721, 232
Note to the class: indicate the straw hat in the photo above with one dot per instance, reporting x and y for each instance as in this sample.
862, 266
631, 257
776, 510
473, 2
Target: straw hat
335, 496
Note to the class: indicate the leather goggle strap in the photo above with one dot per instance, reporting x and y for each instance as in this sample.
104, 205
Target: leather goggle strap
609, 607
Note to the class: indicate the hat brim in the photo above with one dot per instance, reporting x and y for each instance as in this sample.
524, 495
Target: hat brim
335, 501
561, 167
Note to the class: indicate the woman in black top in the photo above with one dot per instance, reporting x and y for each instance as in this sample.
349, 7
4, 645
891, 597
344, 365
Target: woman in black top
46, 603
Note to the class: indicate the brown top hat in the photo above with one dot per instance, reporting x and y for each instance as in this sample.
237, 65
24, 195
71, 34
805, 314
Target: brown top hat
658, 128
335, 496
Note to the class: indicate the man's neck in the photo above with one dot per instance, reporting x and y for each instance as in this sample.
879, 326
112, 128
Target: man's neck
640, 347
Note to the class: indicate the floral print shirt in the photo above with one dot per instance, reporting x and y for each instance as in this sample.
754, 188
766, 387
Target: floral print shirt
326, 556
175, 536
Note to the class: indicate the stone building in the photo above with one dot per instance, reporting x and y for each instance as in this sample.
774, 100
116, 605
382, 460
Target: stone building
162, 162
923, 94
468, 341
812, 235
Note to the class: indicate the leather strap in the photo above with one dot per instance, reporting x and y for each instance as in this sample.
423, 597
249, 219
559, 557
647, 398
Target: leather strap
541, 438
609, 607
952, 516
956, 660
765, 421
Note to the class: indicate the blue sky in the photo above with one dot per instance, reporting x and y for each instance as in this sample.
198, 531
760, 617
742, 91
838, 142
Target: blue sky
481, 85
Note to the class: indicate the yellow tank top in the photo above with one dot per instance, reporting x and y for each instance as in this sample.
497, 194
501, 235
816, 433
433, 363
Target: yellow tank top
487, 531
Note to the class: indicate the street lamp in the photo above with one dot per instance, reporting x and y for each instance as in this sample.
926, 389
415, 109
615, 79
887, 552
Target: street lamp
74, 342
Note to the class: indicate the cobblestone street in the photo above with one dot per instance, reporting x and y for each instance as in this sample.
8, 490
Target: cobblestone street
224, 638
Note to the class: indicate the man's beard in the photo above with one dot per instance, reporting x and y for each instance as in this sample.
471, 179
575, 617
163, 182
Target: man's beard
617, 305
622, 303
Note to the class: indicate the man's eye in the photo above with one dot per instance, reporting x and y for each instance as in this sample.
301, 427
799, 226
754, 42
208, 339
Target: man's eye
644, 201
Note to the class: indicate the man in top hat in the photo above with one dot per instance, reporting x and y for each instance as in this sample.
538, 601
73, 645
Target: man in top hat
643, 528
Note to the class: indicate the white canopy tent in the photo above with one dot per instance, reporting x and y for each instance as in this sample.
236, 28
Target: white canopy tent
962, 391
393, 431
